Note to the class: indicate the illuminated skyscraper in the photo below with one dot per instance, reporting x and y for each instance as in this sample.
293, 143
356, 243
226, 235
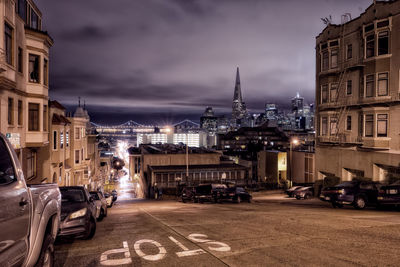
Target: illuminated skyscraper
239, 112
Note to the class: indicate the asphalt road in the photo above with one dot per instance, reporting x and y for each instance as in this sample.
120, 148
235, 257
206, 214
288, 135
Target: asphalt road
271, 231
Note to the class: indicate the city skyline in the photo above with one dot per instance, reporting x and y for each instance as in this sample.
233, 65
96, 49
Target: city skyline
151, 60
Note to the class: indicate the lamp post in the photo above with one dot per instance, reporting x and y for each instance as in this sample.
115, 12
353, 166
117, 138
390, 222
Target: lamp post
293, 142
187, 159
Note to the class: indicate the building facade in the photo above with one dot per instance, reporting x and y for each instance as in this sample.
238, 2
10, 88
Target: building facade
165, 165
358, 96
24, 87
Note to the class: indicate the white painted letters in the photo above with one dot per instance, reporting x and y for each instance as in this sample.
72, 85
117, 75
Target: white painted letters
161, 254
113, 262
186, 252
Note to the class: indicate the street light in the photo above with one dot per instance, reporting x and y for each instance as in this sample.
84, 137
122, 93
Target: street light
293, 142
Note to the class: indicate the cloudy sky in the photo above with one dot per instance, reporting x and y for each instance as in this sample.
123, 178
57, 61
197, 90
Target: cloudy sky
169, 59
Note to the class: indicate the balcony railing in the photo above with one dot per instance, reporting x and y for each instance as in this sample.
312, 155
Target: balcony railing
340, 139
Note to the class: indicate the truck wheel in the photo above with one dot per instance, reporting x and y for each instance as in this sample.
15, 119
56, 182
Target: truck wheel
91, 230
359, 203
46, 258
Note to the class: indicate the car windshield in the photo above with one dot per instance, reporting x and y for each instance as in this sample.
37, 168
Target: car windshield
95, 195
72, 195
347, 184
240, 189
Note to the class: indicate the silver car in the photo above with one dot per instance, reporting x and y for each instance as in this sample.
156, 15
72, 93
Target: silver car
101, 205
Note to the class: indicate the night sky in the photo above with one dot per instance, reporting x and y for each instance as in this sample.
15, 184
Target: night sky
159, 61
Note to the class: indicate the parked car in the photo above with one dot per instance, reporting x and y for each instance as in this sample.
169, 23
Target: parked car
188, 194
114, 195
291, 190
238, 194
29, 214
101, 205
109, 199
78, 212
210, 192
357, 193
304, 192
389, 195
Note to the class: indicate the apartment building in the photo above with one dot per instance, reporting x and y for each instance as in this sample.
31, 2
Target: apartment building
358, 96
24, 68
79, 161
59, 148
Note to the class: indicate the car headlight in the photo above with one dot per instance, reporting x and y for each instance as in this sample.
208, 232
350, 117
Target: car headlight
77, 214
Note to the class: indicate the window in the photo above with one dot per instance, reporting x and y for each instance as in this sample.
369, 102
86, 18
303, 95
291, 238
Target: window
20, 112
334, 58
10, 111
7, 173
8, 32
20, 59
21, 9
369, 125
76, 156
31, 164
369, 85
77, 133
324, 127
61, 139
382, 124
324, 94
369, 28
333, 95
67, 138
383, 84
54, 140
34, 20
360, 124
382, 24
33, 117
34, 68
349, 51
45, 72
325, 60
349, 88
348, 123
45, 118
383, 43
370, 46
333, 126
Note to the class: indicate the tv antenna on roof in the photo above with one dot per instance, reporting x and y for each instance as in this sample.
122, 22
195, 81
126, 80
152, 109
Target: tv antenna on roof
346, 17
327, 20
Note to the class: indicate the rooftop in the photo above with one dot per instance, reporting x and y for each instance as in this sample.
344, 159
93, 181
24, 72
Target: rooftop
169, 149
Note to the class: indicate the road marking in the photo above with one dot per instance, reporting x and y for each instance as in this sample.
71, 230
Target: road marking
186, 252
161, 254
179, 234
126, 260
200, 238
222, 246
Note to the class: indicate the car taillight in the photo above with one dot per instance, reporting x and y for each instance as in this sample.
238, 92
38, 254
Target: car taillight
381, 191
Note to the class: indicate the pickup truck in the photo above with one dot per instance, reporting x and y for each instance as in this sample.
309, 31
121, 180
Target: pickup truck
29, 215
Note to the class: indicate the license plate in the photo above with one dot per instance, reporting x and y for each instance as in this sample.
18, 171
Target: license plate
327, 198
392, 191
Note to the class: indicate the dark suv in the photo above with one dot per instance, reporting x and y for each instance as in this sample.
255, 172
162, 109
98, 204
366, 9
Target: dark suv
210, 192
78, 212
357, 193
